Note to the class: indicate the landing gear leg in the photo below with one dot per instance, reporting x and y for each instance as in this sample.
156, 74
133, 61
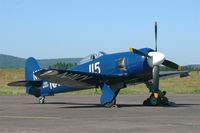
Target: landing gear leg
41, 100
109, 94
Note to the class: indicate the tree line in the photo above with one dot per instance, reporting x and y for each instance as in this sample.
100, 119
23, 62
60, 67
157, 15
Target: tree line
63, 65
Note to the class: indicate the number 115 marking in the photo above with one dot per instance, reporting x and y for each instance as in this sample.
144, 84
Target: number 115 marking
95, 68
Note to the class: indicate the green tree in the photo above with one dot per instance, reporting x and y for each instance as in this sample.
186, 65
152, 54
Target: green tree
62, 65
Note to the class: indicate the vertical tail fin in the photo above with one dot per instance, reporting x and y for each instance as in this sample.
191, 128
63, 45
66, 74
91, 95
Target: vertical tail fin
31, 66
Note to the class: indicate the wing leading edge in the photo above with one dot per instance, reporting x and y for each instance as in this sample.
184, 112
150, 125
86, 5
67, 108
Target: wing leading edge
164, 75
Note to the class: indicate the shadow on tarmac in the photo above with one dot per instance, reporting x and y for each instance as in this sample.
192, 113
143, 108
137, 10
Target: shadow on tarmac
92, 105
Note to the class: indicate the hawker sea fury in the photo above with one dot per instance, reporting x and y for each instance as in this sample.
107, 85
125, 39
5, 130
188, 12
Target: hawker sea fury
110, 72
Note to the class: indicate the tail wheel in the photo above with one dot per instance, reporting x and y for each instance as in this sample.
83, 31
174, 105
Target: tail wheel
42, 100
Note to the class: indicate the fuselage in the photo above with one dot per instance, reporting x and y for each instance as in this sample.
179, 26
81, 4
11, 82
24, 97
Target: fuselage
122, 64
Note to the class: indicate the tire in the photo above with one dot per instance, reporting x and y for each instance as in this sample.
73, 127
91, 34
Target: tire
42, 100
153, 101
110, 104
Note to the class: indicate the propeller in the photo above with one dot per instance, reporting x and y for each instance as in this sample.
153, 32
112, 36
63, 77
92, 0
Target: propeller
171, 64
155, 59
156, 36
139, 52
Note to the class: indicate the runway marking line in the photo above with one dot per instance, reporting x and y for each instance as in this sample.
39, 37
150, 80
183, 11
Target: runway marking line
30, 117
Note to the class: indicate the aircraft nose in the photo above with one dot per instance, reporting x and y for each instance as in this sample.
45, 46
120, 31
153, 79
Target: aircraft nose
156, 60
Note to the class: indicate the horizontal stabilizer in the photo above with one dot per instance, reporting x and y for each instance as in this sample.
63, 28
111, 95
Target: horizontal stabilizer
35, 83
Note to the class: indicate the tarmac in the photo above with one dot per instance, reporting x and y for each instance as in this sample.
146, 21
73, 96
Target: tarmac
83, 114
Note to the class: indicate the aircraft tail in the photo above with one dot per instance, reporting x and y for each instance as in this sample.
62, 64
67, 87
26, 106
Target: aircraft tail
34, 83
31, 82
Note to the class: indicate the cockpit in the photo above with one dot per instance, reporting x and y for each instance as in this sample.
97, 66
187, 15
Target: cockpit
91, 57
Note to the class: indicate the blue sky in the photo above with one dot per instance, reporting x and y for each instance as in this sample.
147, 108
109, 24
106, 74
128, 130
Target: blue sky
76, 28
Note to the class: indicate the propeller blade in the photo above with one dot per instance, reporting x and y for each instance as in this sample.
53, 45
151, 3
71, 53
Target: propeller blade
139, 52
156, 30
156, 79
171, 64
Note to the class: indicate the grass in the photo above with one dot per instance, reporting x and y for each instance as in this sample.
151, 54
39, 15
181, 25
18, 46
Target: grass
9, 75
176, 85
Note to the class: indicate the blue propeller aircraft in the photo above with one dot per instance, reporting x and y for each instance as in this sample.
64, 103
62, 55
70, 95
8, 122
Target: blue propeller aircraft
110, 72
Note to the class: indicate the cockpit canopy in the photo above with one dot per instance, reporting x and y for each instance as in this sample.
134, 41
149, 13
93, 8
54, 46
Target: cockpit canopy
91, 57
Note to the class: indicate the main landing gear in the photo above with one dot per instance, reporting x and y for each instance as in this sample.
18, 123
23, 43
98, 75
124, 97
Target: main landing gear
158, 99
111, 104
109, 94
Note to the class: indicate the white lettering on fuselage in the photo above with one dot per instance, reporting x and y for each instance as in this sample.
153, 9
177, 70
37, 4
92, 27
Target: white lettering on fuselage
45, 84
54, 85
95, 68
50, 85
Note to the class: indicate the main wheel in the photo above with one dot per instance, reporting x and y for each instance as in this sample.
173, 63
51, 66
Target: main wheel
110, 104
154, 101
147, 102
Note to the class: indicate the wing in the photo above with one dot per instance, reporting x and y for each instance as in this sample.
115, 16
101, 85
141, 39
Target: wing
73, 79
164, 75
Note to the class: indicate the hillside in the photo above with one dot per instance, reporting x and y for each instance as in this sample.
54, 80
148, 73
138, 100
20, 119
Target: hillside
7, 61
